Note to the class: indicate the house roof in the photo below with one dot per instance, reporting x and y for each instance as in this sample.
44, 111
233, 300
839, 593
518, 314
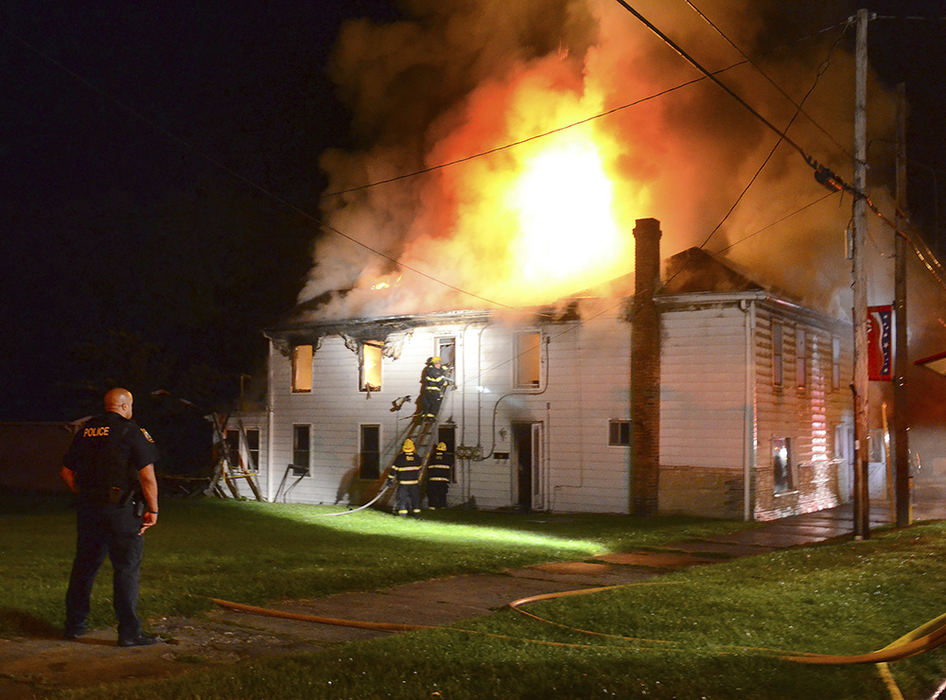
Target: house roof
692, 271
695, 270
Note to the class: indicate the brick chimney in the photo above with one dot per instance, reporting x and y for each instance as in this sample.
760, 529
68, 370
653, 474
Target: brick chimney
645, 370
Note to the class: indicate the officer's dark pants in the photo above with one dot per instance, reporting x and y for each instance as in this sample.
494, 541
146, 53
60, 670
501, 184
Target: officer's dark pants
430, 402
408, 499
101, 530
437, 494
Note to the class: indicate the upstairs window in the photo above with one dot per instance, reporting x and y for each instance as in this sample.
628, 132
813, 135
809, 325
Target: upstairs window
528, 359
301, 369
371, 353
777, 356
801, 358
447, 352
835, 363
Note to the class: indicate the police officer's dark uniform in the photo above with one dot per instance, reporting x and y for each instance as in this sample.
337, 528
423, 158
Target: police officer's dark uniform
105, 457
406, 473
439, 469
433, 384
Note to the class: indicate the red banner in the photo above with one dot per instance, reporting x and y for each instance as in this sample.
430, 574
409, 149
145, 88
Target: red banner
880, 343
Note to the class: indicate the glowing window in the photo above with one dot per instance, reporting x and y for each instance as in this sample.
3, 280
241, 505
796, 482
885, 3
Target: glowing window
371, 366
528, 359
801, 358
784, 480
777, 367
619, 433
369, 462
301, 369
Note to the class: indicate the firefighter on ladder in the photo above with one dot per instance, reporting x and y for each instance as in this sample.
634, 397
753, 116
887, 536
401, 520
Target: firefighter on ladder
405, 472
438, 477
433, 384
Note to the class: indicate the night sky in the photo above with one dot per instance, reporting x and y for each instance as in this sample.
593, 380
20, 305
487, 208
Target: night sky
158, 158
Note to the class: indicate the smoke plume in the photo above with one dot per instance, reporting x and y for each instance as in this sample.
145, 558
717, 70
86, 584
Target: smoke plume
459, 78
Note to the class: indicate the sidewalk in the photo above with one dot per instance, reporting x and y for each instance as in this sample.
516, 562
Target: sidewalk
29, 666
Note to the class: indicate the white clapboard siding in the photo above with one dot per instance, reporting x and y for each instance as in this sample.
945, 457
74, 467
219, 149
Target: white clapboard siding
703, 387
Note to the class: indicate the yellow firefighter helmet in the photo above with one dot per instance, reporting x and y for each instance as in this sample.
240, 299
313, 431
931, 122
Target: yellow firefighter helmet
442, 446
408, 445
435, 360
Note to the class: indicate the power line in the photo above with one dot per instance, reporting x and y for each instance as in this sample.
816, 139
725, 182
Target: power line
844, 26
821, 71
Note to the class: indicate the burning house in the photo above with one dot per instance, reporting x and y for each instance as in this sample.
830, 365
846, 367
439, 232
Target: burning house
488, 180
746, 412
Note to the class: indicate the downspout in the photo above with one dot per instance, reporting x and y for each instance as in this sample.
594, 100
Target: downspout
748, 425
270, 421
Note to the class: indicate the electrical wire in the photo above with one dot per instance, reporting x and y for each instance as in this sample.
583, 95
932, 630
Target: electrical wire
798, 105
798, 109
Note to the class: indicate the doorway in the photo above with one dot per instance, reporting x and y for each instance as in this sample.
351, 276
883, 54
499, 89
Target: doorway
527, 458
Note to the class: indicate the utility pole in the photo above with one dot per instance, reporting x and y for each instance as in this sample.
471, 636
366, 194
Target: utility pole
861, 384
901, 436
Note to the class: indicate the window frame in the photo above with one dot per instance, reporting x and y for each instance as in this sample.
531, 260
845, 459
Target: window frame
790, 481
362, 452
616, 429
778, 354
801, 358
518, 360
296, 376
299, 429
377, 345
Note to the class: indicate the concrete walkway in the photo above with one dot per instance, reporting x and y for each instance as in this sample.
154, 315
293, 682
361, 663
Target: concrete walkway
29, 667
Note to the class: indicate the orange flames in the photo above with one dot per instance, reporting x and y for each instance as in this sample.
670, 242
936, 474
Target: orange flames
538, 221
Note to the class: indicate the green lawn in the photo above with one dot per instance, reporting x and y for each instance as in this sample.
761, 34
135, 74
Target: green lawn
713, 631
259, 552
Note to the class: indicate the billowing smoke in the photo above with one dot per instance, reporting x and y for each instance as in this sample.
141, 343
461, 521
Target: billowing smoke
464, 77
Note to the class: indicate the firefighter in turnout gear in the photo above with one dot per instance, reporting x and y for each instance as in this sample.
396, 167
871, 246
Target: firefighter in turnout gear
405, 472
433, 385
439, 469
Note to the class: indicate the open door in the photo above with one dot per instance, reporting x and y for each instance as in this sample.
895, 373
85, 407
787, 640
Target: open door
527, 448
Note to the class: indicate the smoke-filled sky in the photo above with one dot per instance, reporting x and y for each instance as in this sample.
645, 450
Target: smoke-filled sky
454, 79
166, 164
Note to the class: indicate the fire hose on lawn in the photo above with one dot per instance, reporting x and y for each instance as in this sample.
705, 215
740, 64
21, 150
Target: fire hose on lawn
925, 638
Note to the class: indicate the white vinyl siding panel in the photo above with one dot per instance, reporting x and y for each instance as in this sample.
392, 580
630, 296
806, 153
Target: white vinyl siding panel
703, 388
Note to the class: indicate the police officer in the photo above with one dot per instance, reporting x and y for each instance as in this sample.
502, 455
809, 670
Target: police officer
405, 472
439, 469
110, 465
433, 384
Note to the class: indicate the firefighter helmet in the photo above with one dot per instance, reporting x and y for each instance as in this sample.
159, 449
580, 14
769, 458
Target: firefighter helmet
442, 446
408, 445
435, 360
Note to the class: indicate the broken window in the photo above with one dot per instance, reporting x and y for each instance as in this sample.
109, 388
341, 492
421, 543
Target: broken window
300, 447
783, 478
369, 452
801, 358
301, 369
619, 433
777, 372
528, 359
447, 352
248, 455
371, 366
